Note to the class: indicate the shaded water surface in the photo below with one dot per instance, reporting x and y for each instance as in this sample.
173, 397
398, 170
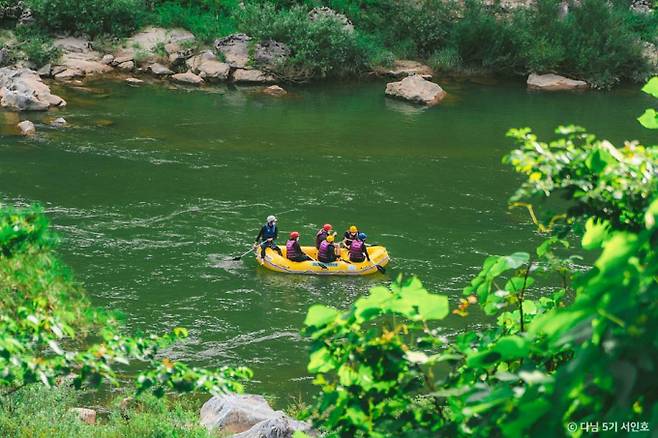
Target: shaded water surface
154, 189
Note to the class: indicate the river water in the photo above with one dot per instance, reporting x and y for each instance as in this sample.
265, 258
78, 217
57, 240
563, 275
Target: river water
153, 189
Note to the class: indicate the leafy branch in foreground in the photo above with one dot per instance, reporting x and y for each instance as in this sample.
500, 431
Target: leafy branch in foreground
568, 345
47, 324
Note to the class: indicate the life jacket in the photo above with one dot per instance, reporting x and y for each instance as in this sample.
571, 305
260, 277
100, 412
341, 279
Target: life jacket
319, 237
324, 251
269, 231
291, 249
349, 237
356, 249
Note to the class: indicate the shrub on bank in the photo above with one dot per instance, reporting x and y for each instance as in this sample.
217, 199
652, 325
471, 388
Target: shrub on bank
206, 23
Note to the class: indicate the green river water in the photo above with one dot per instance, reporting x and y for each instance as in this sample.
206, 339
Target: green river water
152, 189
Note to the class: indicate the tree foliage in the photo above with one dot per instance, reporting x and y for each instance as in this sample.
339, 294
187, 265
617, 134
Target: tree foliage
49, 331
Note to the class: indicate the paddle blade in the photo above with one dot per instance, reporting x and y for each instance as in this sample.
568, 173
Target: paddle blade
381, 269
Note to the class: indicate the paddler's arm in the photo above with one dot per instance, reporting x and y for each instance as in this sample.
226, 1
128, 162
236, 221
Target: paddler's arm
260, 233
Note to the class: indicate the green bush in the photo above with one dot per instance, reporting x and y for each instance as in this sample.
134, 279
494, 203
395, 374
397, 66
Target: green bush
89, 17
319, 48
35, 46
205, 23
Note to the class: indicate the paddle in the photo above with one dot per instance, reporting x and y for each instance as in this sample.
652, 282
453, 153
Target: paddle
322, 265
240, 256
379, 268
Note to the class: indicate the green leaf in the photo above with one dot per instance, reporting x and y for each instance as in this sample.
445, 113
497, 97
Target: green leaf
529, 307
512, 347
319, 315
651, 87
370, 306
320, 361
596, 232
649, 119
515, 284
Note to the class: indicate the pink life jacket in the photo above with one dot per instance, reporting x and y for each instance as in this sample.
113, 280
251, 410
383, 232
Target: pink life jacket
356, 249
323, 251
291, 249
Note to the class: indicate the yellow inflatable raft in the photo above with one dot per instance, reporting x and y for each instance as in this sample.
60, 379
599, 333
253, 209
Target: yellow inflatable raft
275, 262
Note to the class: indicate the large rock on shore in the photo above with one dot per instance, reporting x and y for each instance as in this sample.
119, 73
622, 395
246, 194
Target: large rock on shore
151, 37
242, 75
187, 78
416, 89
325, 13
208, 67
23, 90
553, 82
236, 49
78, 56
248, 416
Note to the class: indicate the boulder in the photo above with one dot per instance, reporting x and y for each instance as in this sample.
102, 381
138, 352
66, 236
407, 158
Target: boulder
134, 81
160, 70
72, 44
45, 71
324, 12
123, 57
235, 49
151, 36
552, 82
279, 426
207, 66
27, 128
274, 90
59, 122
404, 67
416, 89
23, 90
242, 75
187, 78
84, 414
126, 66
107, 59
270, 53
86, 63
68, 74
248, 416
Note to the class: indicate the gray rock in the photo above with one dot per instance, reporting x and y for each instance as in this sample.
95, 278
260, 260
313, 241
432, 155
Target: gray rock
552, 82
58, 122
206, 65
404, 67
160, 70
150, 37
72, 44
27, 128
187, 78
134, 81
248, 416
126, 66
253, 76
280, 426
235, 49
68, 74
107, 59
23, 90
324, 12
123, 57
86, 415
44, 71
416, 89
270, 53
274, 90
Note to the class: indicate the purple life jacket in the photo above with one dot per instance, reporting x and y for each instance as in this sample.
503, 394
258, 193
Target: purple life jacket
319, 237
323, 251
291, 249
356, 249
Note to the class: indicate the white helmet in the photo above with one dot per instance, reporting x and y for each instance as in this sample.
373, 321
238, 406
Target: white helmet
271, 218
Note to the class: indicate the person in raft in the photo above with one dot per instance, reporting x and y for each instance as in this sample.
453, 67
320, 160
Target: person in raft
293, 250
358, 250
268, 234
350, 236
322, 235
327, 250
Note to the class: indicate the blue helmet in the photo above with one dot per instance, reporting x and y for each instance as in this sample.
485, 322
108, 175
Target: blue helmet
362, 236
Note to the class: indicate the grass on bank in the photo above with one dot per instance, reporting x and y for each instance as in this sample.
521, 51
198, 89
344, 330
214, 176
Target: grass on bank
599, 41
38, 411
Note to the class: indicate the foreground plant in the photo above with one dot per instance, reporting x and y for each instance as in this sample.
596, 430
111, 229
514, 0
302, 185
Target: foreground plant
49, 331
569, 347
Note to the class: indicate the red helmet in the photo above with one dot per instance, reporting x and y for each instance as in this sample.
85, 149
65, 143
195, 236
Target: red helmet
294, 235
327, 227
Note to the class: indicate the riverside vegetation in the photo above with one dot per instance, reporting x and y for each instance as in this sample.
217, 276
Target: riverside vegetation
568, 345
602, 42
